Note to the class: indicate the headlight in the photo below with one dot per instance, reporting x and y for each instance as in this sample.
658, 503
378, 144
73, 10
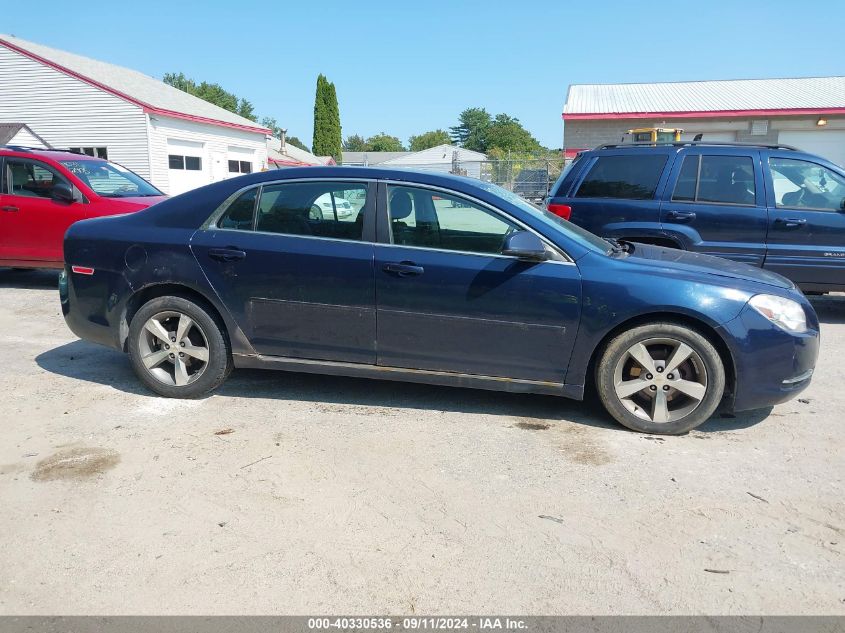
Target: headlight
783, 312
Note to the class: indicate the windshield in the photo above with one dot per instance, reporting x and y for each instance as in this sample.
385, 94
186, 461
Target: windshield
575, 231
110, 179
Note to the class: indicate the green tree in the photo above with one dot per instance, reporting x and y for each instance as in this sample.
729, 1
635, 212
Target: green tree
213, 93
327, 130
506, 133
292, 140
471, 131
428, 139
355, 143
384, 143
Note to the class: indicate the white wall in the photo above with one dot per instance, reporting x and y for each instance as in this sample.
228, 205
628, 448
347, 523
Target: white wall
67, 112
215, 144
26, 138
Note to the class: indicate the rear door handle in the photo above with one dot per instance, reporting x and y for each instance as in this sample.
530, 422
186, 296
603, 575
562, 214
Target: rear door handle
9, 208
403, 269
681, 215
791, 223
230, 254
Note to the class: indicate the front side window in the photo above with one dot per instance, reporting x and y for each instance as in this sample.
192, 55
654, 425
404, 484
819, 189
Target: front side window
716, 180
110, 180
633, 177
800, 184
432, 219
318, 209
31, 179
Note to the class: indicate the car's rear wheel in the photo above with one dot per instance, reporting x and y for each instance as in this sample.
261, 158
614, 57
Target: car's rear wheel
660, 378
177, 348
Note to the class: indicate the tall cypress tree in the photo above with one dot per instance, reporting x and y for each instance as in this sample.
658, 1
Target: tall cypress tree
327, 132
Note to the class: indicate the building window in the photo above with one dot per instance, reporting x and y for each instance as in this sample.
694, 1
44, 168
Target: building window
191, 163
240, 167
97, 152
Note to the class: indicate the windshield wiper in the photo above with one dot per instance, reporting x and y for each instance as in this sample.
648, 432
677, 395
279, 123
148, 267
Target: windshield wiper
618, 247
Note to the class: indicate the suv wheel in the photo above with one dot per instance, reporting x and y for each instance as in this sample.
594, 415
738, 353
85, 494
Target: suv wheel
661, 378
177, 348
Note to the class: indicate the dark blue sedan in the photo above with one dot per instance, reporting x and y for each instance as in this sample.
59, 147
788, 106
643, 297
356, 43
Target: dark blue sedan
435, 279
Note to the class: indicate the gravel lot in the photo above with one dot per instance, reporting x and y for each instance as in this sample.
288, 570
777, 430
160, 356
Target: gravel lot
335, 495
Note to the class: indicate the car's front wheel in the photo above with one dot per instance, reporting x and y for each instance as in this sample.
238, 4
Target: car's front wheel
660, 378
177, 348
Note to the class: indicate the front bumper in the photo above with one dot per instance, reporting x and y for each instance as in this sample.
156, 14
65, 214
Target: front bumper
771, 365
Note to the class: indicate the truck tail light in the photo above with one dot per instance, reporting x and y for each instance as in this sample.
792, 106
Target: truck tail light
562, 210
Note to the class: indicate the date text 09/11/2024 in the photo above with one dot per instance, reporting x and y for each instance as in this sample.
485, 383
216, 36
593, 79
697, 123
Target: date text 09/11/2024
417, 623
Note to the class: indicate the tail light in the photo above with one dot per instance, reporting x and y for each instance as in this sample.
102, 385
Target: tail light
562, 210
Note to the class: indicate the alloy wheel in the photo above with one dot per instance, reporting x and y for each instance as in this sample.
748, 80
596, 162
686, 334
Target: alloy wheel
660, 380
173, 348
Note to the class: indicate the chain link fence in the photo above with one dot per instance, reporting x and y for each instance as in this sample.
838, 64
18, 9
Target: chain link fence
530, 178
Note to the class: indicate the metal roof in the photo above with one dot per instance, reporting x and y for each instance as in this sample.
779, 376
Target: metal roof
8, 131
726, 97
154, 95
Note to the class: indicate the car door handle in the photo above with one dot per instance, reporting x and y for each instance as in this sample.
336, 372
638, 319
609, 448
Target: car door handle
791, 223
230, 254
403, 269
9, 208
681, 215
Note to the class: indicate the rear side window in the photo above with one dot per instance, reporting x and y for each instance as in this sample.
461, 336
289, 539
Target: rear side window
240, 214
633, 177
317, 209
716, 179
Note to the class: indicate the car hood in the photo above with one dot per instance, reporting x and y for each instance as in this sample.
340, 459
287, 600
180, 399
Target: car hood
114, 206
697, 263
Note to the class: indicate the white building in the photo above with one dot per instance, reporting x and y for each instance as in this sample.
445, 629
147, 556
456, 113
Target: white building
20, 134
444, 158
173, 139
806, 112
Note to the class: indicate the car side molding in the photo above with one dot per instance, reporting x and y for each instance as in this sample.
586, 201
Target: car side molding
431, 377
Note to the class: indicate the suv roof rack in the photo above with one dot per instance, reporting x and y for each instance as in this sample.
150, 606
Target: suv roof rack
694, 143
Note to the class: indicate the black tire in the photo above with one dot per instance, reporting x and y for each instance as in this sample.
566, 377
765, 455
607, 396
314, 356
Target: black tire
218, 365
632, 412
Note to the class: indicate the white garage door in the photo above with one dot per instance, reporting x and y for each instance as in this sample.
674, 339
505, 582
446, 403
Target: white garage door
829, 144
187, 164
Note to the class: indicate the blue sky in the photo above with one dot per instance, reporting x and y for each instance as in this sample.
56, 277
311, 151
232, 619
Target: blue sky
408, 67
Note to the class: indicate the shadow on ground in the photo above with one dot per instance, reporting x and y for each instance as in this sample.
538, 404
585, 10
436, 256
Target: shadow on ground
829, 308
14, 278
101, 365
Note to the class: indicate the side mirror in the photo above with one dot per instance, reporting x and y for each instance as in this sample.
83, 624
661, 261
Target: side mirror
63, 192
526, 246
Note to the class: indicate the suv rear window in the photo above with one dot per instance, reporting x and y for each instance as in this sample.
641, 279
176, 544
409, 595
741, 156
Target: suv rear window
633, 177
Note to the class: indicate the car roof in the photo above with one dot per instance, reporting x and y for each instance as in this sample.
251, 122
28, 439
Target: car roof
464, 184
36, 152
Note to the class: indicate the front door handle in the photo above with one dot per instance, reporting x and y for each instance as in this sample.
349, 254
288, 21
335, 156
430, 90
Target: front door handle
230, 254
683, 216
9, 208
791, 223
403, 269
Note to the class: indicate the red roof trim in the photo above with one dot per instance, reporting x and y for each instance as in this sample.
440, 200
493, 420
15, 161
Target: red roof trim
145, 106
571, 152
292, 163
700, 114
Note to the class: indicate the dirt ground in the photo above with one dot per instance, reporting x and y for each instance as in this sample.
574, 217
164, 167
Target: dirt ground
296, 494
